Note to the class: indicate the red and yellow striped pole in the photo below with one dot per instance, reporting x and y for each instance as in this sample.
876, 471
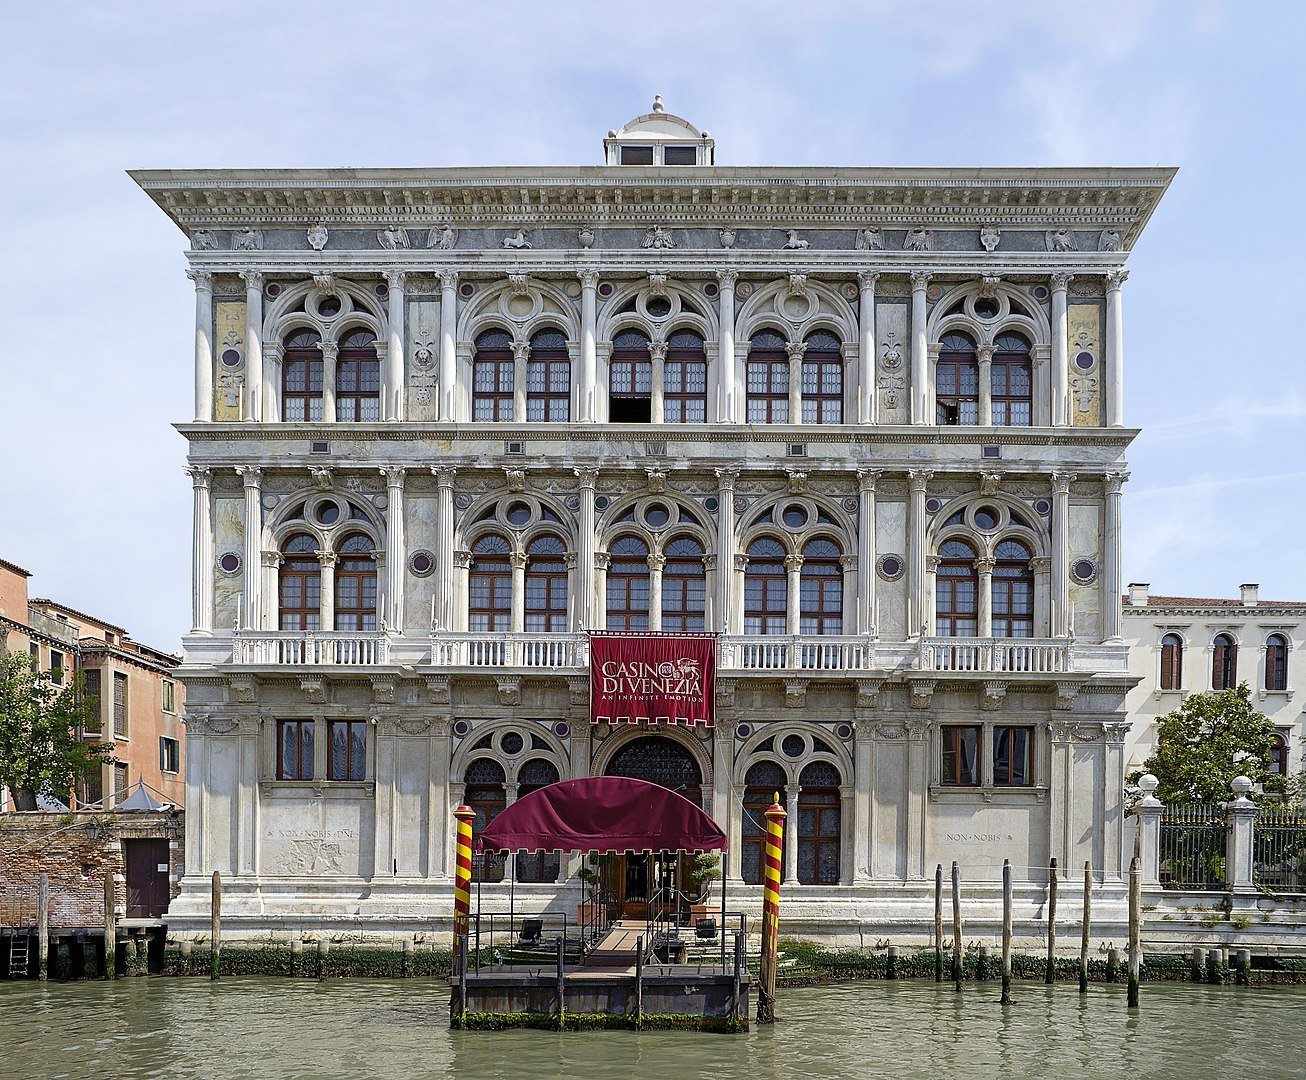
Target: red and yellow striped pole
771, 874
462, 881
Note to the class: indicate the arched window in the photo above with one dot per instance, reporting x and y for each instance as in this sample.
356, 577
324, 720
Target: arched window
768, 379
818, 824
299, 585
956, 381
492, 369
822, 379
663, 761
490, 585
630, 379
1224, 663
956, 591
628, 585
1011, 381
536, 866
358, 378
766, 588
548, 379
1279, 755
684, 586
820, 584
301, 377
546, 586
356, 585
485, 794
1013, 591
762, 783
1276, 662
684, 379
1172, 662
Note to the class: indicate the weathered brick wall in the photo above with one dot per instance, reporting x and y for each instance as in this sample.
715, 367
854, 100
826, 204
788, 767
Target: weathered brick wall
76, 850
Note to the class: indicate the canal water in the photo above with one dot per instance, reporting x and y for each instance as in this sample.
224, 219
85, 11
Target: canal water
280, 1028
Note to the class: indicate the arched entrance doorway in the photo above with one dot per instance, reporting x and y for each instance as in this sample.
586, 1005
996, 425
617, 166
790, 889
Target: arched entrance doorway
638, 880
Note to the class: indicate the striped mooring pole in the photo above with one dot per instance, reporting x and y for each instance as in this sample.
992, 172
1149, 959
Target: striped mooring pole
775, 829
462, 882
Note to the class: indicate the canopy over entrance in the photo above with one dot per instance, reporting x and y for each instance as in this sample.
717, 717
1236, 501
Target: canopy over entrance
603, 814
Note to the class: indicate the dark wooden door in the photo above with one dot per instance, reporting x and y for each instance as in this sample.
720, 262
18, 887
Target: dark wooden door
147, 878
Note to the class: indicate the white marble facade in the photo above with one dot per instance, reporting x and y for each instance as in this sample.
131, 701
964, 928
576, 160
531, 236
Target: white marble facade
778, 404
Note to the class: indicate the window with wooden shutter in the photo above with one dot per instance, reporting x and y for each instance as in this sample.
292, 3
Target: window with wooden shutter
1172, 662
1224, 663
1276, 662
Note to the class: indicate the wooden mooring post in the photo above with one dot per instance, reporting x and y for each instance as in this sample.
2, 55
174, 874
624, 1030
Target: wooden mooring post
938, 923
562, 983
1242, 960
891, 962
956, 927
42, 927
1197, 964
775, 817
639, 980
1086, 922
1135, 929
110, 928
735, 984
215, 910
1050, 974
1006, 932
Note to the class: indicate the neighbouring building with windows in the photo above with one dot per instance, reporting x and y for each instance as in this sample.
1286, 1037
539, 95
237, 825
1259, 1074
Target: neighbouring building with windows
864, 425
139, 698
1181, 645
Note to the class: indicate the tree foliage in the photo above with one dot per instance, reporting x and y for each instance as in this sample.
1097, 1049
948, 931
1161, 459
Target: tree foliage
42, 724
1207, 741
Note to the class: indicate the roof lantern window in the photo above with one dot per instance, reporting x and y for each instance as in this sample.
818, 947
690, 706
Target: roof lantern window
659, 138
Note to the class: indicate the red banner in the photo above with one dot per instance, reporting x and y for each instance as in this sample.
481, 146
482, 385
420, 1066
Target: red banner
652, 678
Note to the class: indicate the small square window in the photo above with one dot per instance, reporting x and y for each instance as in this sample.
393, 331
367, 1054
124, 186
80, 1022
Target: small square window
56, 666
680, 155
637, 155
169, 755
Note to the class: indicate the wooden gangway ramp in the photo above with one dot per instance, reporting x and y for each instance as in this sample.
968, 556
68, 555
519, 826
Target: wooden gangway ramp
616, 950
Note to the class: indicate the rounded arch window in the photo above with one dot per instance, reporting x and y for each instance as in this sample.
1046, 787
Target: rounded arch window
766, 588
299, 584
548, 378
355, 584
301, 376
819, 824
660, 760
1013, 591
358, 378
1011, 379
546, 586
630, 379
956, 381
1172, 662
956, 591
1224, 662
684, 379
764, 782
628, 584
684, 586
822, 379
767, 378
489, 606
493, 371
484, 792
536, 866
820, 601
1276, 662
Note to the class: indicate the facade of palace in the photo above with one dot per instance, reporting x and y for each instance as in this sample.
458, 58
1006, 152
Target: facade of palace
139, 699
866, 425
1181, 645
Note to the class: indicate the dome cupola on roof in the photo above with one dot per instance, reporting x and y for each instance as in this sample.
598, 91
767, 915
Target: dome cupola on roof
658, 138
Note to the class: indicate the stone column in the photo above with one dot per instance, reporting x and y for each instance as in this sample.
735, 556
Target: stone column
253, 478
203, 344
587, 537
327, 562
330, 354
852, 575
1060, 592
866, 280
520, 354
394, 547
655, 565
657, 352
985, 385
796, 350
589, 280
984, 566
920, 397
1112, 569
918, 480
462, 565
725, 550
791, 836
517, 616
864, 792
1115, 350
928, 612
444, 554
202, 564
847, 852
1060, 347
793, 613
737, 592
392, 386
438, 805
727, 411
448, 341
1040, 566
866, 481
602, 560
253, 344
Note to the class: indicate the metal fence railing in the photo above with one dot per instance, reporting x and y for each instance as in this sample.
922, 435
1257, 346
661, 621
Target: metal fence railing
1279, 849
1192, 847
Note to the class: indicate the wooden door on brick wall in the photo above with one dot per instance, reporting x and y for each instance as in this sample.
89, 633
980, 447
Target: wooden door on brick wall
147, 878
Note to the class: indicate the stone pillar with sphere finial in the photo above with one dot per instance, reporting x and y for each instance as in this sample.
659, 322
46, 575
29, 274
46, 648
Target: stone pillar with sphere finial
1148, 811
1240, 819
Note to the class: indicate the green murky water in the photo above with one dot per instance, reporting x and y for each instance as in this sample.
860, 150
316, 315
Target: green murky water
281, 1028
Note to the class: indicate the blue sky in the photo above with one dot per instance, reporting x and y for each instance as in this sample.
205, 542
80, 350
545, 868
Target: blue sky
95, 357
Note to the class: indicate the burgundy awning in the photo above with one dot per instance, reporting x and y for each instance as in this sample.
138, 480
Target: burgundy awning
604, 814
